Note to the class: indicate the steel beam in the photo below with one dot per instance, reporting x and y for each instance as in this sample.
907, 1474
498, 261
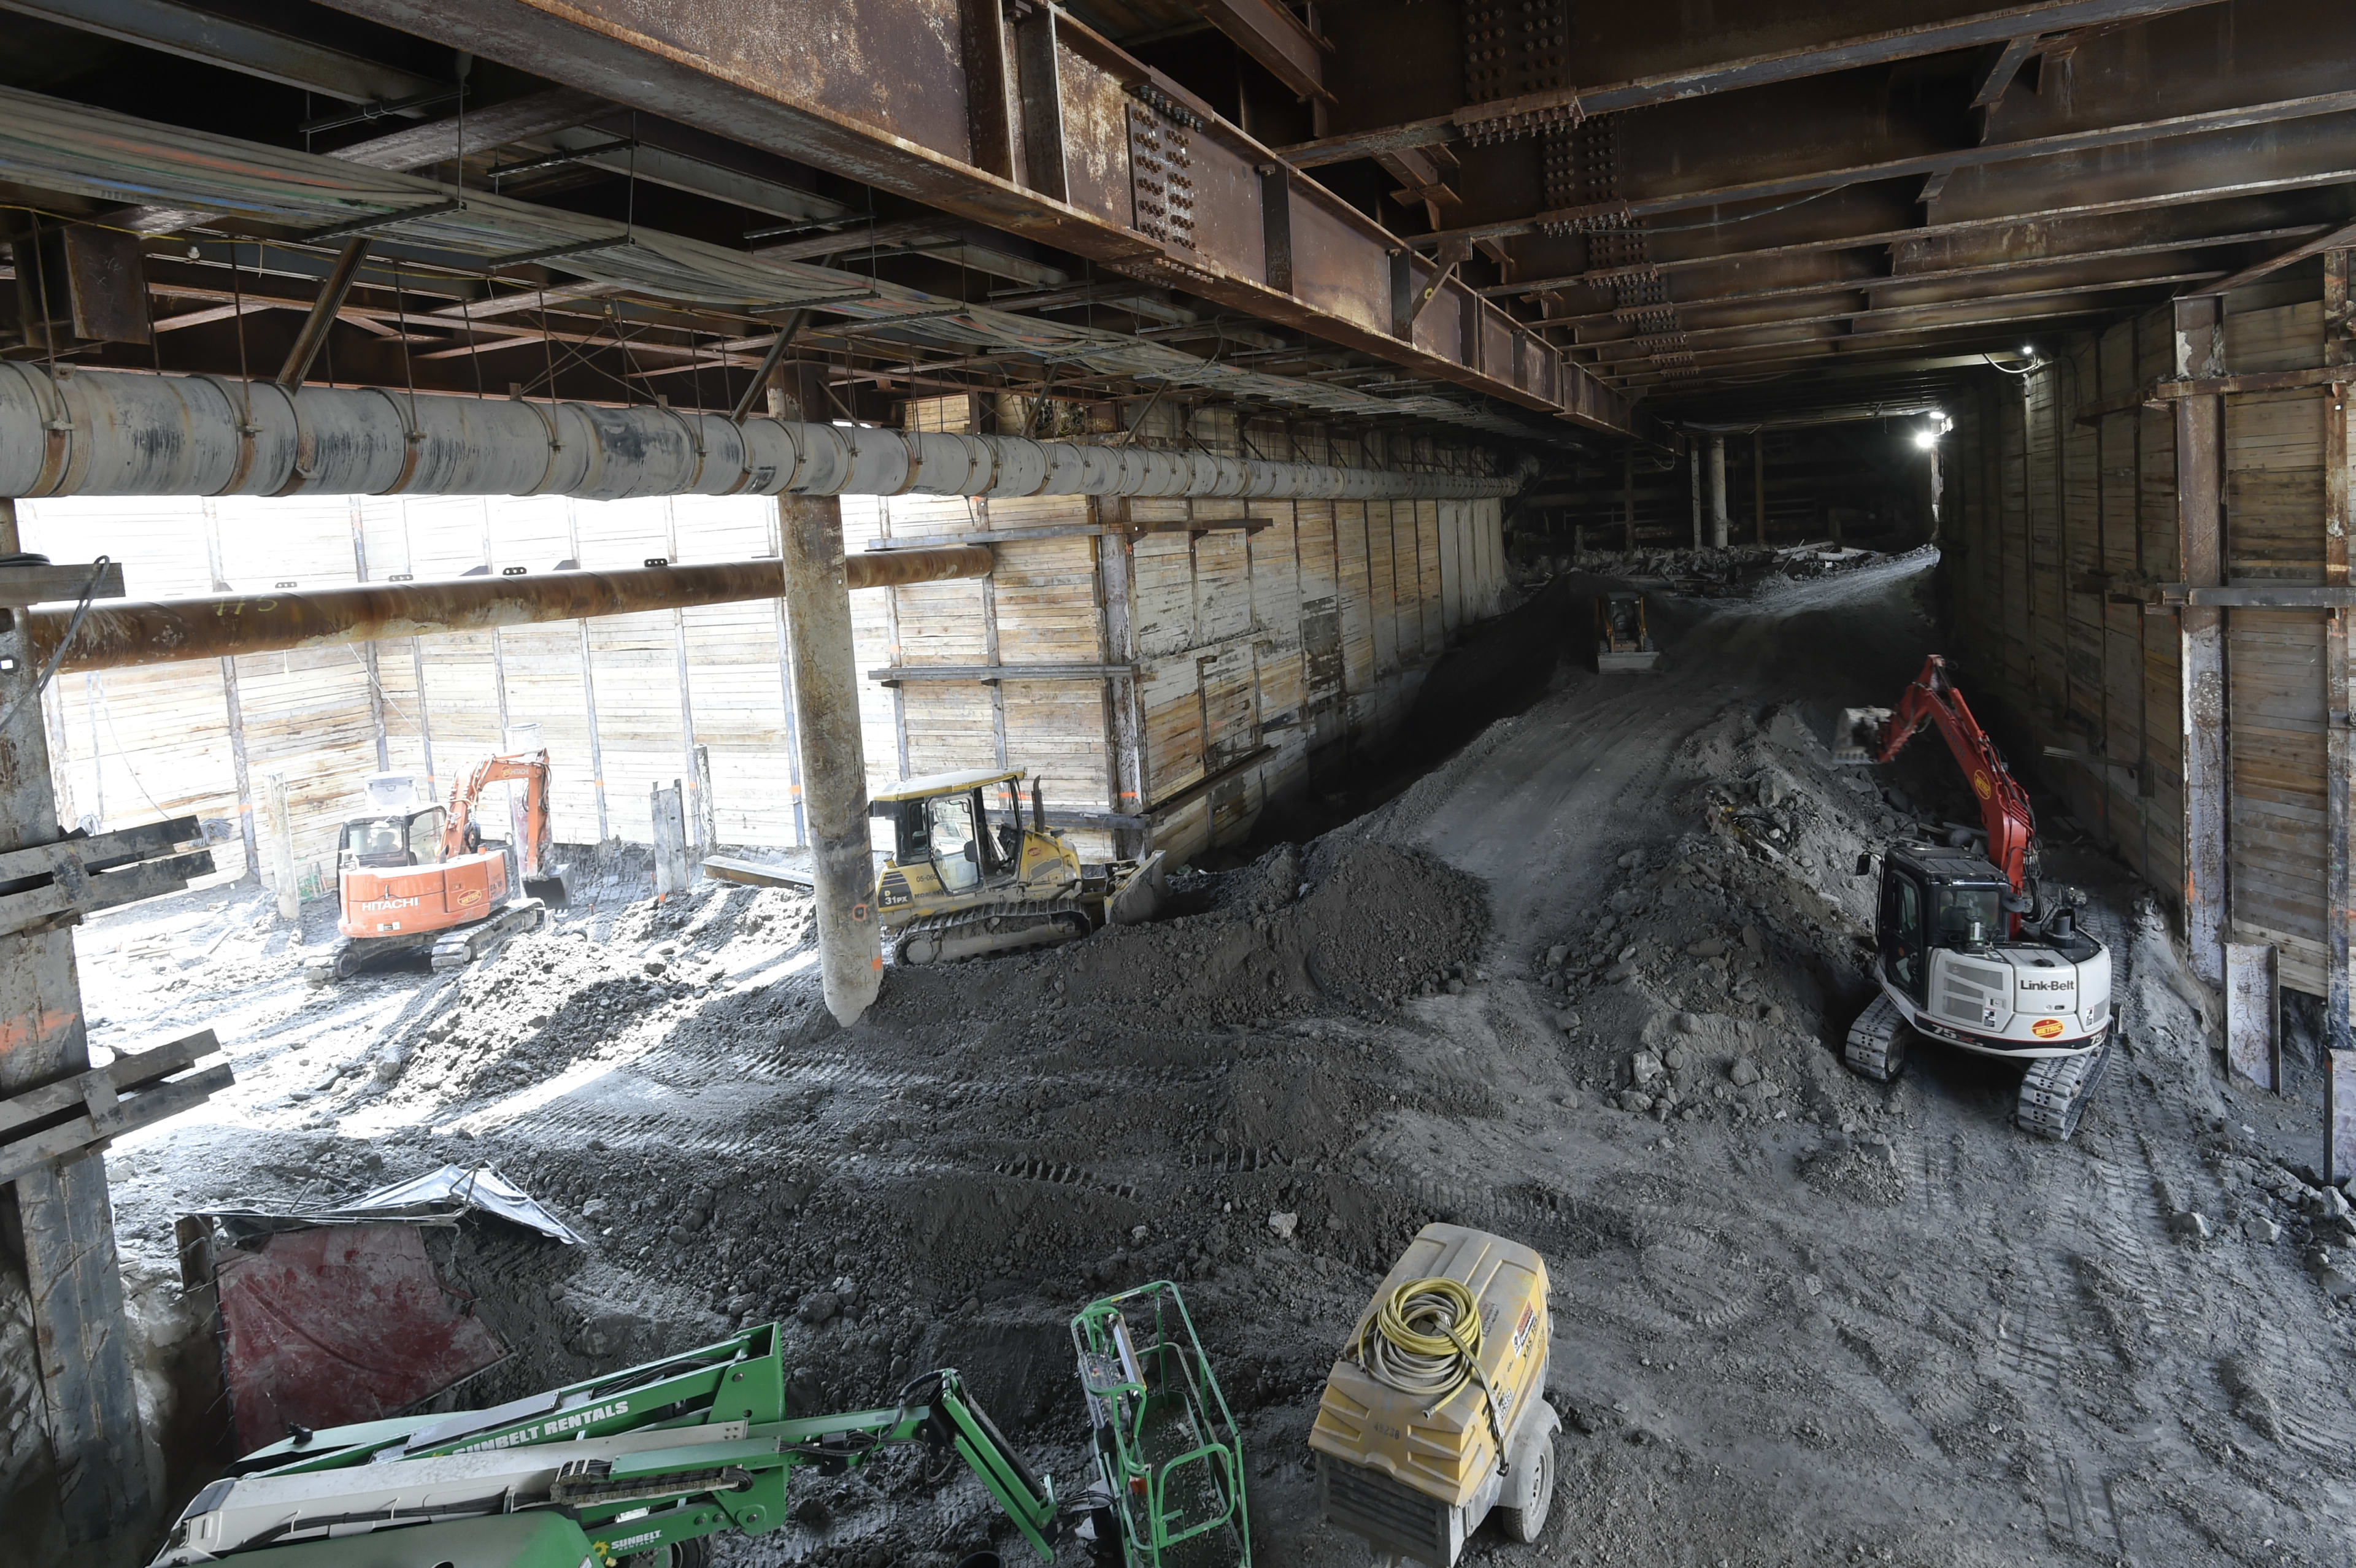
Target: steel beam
521, 119
2338, 240
323, 312
1696, 294
879, 92
1993, 242
1274, 36
1871, 315
2311, 106
123, 633
2200, 352
1727, 74
242, 47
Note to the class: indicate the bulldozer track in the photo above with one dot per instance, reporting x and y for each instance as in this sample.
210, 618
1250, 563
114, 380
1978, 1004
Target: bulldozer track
943, 929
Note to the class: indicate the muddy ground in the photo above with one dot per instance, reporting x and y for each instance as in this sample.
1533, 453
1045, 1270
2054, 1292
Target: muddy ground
1581, 983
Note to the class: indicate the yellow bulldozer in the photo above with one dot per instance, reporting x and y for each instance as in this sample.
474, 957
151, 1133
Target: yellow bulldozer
955, 885
951, 883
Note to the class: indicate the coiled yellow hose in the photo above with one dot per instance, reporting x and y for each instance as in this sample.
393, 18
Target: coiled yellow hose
1425, 1340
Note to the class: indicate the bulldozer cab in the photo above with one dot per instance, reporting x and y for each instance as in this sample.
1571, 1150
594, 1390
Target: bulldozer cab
946, 832
935, 839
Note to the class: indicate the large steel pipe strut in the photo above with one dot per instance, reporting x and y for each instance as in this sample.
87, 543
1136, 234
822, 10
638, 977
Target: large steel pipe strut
120, 633
116, 432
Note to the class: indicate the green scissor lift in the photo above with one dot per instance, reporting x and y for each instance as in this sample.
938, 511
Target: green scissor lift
1168, 1452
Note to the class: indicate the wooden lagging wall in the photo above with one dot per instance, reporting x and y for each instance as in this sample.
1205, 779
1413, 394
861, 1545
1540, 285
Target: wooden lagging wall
623, 704
2060, 520
1260, 634
1263, 635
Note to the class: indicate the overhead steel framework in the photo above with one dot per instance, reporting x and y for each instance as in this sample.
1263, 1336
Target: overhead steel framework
624, 248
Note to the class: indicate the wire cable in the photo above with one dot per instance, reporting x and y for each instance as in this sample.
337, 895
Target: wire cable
58, 654
1747, 217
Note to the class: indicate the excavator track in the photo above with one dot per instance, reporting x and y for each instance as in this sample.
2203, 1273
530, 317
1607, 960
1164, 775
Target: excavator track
1876, 1047
976, 933
463, 944
2055, 1091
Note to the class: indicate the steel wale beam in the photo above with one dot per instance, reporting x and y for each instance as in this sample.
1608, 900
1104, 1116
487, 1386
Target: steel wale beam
2326, 107
119, 634
116, 432
1731, 73
1262, 240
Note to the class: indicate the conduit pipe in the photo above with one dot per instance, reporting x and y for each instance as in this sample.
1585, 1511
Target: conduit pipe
120, 633
115, 432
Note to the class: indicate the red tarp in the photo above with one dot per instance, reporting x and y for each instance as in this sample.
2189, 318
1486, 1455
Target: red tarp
337, 1324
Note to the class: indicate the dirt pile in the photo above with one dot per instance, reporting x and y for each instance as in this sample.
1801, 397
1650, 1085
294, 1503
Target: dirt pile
1355, 926
1713, 976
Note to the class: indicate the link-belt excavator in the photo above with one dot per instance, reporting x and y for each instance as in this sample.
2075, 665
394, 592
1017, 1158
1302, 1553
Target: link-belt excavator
411, 874
953, 885
644, 1466
1970, 952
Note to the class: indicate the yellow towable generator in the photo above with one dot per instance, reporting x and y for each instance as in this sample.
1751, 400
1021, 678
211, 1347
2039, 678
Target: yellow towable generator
1436, 1412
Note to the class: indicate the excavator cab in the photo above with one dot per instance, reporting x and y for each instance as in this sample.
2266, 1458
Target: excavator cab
413, 838
1935, 897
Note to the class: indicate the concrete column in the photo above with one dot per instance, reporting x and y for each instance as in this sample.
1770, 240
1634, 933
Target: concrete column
278, 846
1759, 484
1693, 472
834, 761
1717, 514
101, 1510
1628, 497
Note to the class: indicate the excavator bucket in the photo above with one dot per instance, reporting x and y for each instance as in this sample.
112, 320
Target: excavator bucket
549, 890
1857, 739
1141, 894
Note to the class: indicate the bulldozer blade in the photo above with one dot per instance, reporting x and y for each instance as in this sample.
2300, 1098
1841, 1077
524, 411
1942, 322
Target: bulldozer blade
1857, 739
1140, 898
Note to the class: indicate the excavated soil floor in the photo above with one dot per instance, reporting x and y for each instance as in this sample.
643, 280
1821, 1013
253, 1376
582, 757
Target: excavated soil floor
1581, 983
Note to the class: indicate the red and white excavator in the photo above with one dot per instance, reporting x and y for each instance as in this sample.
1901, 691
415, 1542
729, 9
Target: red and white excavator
412, 874
1969, 953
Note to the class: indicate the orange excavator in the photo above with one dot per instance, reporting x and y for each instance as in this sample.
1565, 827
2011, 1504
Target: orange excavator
412, 874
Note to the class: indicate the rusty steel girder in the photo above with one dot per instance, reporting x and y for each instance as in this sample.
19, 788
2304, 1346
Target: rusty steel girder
1037, 126
118, 633
1667, 65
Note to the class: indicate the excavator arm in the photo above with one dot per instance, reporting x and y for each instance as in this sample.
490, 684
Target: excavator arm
531, 769
2003, 804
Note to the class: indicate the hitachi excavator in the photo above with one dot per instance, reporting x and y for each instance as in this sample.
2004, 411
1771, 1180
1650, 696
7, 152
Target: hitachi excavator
1970, 954
411, 874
